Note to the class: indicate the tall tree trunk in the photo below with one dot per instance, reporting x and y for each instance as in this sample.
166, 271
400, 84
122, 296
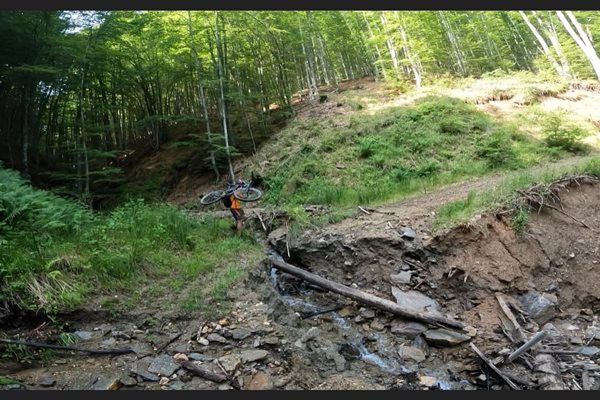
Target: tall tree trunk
313, 92
26, 134
582, 40
413, 58
83, 135
379, 56
542, 43
390, 45
222, 96
456, 51
553, 37
211, 151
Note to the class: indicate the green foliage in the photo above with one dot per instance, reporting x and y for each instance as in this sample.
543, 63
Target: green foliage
367, 146
7, 380
520, 220
77, 255
68, 339
396, 152
559, 133
497, 149
456, 209
37, 212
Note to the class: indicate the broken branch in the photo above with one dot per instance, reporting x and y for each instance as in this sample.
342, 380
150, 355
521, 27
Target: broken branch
527, 345
493, 367
365, 298
58, 347
203, 371
515, 332
261, 220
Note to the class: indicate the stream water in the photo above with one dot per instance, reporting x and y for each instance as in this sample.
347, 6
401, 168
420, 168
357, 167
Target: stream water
383, 353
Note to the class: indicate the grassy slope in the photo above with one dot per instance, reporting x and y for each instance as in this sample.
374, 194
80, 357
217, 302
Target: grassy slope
385, 148
368, 146
56, 255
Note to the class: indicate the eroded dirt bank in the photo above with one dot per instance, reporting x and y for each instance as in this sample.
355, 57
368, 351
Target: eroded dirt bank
547, 278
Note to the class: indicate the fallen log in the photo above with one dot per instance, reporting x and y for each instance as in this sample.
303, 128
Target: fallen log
366, 298
58, 347
203, 371
493, 367
527, 345
206, 372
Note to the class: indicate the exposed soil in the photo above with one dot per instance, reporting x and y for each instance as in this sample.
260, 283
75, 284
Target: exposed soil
271, 341
356, 348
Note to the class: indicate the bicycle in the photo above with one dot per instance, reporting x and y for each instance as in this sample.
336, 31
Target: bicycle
242, 191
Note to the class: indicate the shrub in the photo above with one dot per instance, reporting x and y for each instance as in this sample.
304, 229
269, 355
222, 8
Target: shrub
557, 133
497, 149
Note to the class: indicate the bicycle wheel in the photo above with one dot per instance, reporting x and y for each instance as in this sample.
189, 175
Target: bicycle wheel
247, 194
211, 197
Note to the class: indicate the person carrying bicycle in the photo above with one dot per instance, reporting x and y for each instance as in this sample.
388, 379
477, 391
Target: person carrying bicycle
234, 205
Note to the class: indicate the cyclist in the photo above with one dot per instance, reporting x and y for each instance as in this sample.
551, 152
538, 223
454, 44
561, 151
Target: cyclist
234, 205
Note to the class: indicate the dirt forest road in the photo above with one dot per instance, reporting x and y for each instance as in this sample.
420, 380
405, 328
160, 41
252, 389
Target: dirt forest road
420, 207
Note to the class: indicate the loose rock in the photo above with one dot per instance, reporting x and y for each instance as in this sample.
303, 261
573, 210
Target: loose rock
411, 353
408, 329
107, 383
445, 337
540, 307
253, 355
401, 278
407, 233
47, 381
259, 381
230, 362
415, 301
163, 365
240, 333
215, 337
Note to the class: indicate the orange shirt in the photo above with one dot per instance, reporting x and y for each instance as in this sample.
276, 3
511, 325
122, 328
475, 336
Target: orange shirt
235, 203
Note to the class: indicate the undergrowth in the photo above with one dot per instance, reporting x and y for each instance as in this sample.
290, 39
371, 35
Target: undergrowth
55, 255
368, 159
507, 195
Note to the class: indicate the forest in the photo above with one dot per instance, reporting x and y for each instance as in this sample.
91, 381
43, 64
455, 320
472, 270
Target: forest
442, 156
80, 90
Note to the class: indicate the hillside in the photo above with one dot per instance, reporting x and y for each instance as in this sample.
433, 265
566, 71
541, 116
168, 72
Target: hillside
429, 215
372, 133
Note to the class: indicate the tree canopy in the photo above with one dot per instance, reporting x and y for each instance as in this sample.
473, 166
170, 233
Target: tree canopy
79, 91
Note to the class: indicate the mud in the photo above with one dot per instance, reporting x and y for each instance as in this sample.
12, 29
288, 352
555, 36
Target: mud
273, 340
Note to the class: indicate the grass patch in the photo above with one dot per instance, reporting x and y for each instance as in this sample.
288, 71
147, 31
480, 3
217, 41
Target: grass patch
7, 380
460, 211
368, 159
55, 255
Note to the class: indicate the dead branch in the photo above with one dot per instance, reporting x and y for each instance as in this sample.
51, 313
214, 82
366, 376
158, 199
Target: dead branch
365, 298
261, 220
372, 210
527, 345
70, 348
314, 314
164, 346
363, 210
568, 215
203, 371
493, 367
514, 330
231, 379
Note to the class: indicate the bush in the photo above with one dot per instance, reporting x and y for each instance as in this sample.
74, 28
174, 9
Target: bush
497, 149
54, 253
367, 146
557, 133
